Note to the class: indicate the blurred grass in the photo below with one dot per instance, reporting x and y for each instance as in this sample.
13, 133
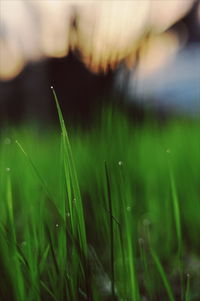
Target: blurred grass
72, 230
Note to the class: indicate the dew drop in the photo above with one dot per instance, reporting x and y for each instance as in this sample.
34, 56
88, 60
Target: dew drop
7, 140
141, 241
146, 222
24, 243
128, 208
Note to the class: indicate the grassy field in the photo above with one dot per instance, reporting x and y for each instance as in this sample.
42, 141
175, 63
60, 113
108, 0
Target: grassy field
111, 215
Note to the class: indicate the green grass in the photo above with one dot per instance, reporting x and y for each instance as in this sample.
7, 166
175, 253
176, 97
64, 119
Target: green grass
108, 213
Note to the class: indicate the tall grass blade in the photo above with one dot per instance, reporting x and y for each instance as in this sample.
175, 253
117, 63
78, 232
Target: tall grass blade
111, 232
73, 191
163, 275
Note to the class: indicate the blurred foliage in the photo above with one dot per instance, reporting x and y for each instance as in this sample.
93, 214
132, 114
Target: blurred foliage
59, 245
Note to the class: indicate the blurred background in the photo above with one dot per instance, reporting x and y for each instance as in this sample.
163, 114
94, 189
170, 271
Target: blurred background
142, 55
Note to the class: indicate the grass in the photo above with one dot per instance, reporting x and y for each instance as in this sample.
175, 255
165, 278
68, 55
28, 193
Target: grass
109, 214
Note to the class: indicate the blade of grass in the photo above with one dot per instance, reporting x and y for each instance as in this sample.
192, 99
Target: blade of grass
16, 273
187, 291
111, 232
163, 275
73, 191
177, 218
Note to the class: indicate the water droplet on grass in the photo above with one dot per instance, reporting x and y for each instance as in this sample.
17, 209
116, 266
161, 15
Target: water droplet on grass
24, 243
141, 241
120, 163
7, 140
128, 208
8, 169
146, 222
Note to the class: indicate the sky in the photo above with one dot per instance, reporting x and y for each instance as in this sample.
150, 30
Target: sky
175, 85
